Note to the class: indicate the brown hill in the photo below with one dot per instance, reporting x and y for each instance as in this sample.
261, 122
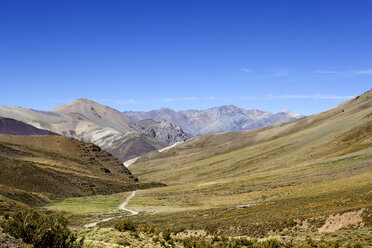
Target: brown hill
35, 167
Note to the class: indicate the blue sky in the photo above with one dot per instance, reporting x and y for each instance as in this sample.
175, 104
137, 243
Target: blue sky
305, 56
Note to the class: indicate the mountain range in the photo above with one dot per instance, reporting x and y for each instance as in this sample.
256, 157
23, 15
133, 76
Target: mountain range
221, 119
106, 127
131, 134
304, 178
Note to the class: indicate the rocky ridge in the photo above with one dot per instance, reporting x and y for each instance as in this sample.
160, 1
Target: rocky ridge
226, 118
164, 131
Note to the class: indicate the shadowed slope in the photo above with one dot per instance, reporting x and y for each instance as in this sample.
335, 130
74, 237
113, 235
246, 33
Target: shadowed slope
11, 126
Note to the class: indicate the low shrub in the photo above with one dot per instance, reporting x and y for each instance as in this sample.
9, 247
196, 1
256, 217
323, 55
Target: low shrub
271, 243
239, 242
125, 225
194, 242
310, 243
41, 230
167, 234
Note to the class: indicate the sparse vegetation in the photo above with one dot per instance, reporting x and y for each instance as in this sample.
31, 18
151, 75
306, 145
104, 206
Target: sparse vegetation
145, 239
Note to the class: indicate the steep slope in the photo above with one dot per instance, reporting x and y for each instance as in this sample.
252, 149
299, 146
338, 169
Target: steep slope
90, 122
11, 126
164, 131
220, 119
57, 166
265, 178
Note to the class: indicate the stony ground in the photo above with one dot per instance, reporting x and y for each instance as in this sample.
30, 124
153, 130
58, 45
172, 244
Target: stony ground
9, 242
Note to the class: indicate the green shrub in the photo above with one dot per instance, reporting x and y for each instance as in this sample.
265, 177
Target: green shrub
125, 225
167, 235
216, 239
357, 245
124, 243
239, 242
271, 243
320, 244
41, 230
155, 239
195, 242
211, 229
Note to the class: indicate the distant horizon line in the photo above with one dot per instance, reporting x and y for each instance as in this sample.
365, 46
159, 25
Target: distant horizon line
265, 97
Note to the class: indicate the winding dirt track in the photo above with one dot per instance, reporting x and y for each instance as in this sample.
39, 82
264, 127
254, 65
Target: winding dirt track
122, 206
125, 203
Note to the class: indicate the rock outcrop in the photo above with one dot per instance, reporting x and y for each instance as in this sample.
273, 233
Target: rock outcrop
164, 131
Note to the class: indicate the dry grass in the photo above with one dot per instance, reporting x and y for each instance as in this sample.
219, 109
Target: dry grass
260, 180
35, 168
261, 183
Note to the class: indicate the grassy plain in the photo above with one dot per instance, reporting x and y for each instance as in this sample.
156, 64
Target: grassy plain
89, 204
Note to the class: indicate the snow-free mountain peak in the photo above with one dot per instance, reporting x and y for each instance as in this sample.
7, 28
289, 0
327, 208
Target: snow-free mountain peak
224, 118
101, 114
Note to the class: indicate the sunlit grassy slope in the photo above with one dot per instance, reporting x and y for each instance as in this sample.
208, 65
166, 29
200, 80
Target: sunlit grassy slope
89, 204
311, 167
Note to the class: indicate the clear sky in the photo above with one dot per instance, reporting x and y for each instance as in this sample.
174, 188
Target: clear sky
305, 56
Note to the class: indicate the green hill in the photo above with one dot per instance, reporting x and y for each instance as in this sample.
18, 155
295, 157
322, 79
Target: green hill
268, 178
